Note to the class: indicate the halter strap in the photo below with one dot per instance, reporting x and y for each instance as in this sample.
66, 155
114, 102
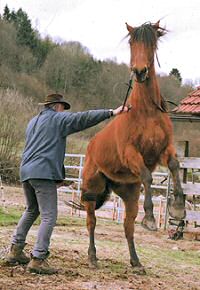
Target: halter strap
157, 59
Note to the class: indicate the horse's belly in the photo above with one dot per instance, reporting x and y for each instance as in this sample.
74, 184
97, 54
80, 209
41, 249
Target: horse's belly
123, 175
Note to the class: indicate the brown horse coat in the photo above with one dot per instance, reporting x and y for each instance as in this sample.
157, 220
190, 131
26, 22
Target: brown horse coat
123, 155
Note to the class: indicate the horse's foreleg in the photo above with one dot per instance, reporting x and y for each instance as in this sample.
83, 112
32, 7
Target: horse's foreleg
91, 223
136, 164
176, 204
148, 221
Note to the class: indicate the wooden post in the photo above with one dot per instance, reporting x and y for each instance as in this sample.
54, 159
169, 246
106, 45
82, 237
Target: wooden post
167, 199
114, 217
159, 213
73, 199
2, 191
182, 148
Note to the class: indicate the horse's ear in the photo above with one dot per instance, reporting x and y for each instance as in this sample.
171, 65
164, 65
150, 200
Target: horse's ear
157, 25
159, 30
130, 28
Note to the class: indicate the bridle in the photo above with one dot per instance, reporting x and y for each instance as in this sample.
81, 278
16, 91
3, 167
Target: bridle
161, 107
130, 87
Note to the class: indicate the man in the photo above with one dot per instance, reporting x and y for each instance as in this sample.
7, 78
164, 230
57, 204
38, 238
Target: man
41, 169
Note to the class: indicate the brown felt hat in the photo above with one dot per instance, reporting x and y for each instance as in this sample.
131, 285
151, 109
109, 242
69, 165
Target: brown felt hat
55, 98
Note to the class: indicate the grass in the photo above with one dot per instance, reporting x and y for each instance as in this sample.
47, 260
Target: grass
71, 221
167, 262
179, 256
10, 216
166, 268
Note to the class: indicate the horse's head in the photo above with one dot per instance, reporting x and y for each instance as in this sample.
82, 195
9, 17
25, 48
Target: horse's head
143, 44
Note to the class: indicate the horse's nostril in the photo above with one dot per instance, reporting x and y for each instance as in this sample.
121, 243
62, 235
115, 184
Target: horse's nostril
138, 71
141, 72
134, 69
145, 70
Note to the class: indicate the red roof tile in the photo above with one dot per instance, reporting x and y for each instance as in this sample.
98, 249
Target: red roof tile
190, 104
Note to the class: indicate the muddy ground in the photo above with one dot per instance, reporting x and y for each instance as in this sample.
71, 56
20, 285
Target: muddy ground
169, 264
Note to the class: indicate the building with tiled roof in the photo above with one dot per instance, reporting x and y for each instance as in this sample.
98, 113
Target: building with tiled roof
186, 121
190, 104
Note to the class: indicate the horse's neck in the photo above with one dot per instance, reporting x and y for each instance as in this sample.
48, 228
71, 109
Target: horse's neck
146, 95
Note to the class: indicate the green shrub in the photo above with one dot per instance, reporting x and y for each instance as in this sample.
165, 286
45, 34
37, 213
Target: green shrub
15, 111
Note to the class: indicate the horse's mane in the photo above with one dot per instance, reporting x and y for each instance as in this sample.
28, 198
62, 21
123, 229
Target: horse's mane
147, 33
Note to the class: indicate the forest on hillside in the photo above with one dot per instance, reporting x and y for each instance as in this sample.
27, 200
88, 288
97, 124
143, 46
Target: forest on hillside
35, 66
32, 67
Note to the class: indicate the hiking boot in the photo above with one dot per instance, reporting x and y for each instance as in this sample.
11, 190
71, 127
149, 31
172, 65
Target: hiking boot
17, 256
40, 266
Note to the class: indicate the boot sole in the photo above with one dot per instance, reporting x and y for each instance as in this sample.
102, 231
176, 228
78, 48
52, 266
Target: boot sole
41, 272
15, 263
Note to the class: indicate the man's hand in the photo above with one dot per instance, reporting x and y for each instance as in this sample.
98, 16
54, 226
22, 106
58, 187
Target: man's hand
119, 110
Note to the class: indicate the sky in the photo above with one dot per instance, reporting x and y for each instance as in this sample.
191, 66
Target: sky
99, 25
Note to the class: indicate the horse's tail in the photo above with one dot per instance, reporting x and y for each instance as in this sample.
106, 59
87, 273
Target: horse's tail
103, 197
100, 199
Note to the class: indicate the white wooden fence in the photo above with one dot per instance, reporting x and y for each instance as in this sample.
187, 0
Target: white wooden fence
161, 183
114, 208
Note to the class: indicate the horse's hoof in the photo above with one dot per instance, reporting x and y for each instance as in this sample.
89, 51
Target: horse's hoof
149, 224
176, 209
177, 213
93, 264
138, 268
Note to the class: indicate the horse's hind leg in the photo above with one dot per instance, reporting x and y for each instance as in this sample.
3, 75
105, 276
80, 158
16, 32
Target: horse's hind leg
130, 195
91, 223
94, 183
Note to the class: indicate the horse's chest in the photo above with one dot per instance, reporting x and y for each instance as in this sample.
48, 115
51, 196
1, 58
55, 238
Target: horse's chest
151, 141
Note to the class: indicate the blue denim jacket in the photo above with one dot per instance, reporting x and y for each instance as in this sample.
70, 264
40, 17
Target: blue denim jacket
45, 147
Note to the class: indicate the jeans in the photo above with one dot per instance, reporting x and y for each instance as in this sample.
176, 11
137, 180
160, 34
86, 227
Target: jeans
41, 199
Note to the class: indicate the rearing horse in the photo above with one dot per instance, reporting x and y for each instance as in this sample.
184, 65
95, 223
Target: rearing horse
123, 155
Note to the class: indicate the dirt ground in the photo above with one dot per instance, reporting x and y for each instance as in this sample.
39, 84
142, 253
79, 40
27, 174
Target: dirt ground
169, 264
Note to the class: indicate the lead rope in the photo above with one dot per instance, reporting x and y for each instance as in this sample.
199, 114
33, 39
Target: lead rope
176, 232
128, 90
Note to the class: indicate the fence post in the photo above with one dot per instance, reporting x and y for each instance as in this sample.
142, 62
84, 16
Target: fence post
2, 192
182, 148
183, 151
167, 197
